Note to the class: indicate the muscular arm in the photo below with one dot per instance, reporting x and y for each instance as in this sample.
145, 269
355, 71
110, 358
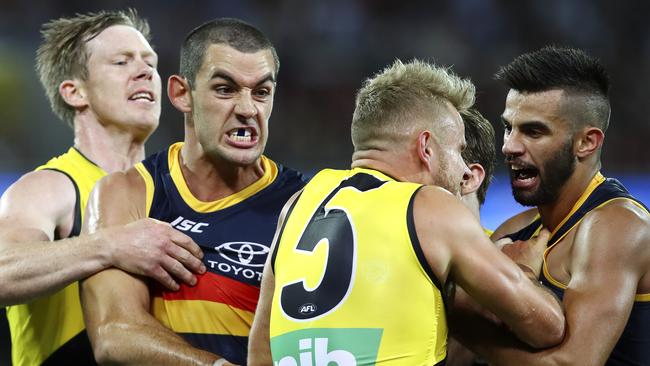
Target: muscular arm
38, 209
116, 304
33, 212
610, 254
456, 247
259, 342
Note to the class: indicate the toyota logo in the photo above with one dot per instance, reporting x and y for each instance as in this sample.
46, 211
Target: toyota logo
243, 252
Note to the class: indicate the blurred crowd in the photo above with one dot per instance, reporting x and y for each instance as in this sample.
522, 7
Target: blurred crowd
328, 48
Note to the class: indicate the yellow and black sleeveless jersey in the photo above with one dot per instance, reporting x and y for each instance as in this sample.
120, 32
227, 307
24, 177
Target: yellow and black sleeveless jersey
235, 234
352, 286
50, 330
633, 348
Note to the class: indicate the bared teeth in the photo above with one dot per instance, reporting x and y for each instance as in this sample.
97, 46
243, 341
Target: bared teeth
241, 135
142, 95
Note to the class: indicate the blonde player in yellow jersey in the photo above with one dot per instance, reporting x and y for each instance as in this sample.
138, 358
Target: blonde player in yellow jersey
361, 255
99, 72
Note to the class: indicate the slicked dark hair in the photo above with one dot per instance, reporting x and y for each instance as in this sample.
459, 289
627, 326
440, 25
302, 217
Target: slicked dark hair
481, 147
570, 69
228, 31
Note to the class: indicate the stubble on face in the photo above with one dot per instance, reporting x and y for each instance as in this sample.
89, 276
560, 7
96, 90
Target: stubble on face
553, 175
450, 139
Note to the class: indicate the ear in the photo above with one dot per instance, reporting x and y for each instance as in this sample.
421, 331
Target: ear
73, 93
424, 149
179, 93
591, 141
471, 182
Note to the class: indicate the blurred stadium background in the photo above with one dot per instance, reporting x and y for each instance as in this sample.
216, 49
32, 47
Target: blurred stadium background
327, 49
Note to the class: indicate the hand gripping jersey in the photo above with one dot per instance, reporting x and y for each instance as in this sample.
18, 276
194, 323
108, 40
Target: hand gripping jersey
50, 330
633, 348
235, 234
352, 286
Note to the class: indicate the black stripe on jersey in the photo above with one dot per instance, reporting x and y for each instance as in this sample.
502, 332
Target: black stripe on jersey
415, 242
76, 226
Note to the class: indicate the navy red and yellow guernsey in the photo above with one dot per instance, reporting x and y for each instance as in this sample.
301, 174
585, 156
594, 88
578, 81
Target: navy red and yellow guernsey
633, 347
235, 234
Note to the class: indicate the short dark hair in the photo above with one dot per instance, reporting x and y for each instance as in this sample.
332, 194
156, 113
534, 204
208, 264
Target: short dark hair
229, 31
63, 55
481, 147
570, 69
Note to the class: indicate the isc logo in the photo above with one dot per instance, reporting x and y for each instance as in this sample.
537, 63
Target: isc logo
184, 224
315, 354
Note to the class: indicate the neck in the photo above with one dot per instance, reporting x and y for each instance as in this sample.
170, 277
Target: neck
554, 212
211, 179
471, 201
112, 149
400, 166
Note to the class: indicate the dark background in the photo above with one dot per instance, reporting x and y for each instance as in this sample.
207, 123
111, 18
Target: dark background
327, 49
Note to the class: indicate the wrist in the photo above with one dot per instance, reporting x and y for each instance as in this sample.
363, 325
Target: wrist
101, 240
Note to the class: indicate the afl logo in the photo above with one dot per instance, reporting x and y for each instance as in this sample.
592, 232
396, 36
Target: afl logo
244, 252
307, 308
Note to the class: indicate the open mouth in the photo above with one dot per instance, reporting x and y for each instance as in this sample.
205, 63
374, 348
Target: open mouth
142, 96
523, 176
243, 135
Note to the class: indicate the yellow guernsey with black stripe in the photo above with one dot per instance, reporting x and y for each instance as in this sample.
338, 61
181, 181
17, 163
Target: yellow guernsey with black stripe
352, 286
50, 330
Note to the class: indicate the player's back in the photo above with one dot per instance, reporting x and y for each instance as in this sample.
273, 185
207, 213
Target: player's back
352, 286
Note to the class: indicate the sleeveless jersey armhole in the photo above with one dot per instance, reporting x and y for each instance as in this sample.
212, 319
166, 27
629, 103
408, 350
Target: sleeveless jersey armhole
149, 186
76, 226
415, 242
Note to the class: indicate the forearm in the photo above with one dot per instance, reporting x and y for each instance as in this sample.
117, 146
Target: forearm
33, 269
541, 321
147, 343
497, 346
121, 329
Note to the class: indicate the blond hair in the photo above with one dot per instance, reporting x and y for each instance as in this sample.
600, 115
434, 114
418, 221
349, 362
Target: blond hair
398, 95
62, 55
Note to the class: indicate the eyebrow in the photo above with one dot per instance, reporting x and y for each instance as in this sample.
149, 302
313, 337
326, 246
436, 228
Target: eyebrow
527, 124
223, 75
130, 52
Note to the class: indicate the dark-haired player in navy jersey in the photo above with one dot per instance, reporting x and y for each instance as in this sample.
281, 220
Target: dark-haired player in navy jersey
215, 186
598, 256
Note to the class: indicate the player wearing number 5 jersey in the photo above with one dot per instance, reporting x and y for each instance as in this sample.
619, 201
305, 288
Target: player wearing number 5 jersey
360, 255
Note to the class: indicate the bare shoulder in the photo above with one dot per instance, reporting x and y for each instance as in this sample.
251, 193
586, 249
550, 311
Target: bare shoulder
117, 197
515, 223
436, 208
120, 186
43, 200
621, 222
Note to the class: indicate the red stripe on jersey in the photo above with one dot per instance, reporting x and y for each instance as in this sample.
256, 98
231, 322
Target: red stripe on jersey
216, 288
